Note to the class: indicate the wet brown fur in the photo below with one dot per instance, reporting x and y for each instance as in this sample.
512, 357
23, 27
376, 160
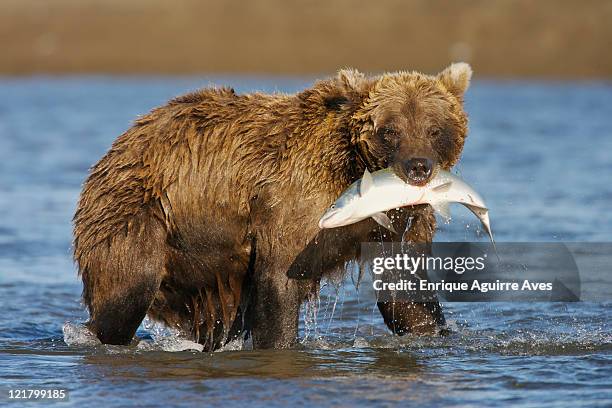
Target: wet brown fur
197, 212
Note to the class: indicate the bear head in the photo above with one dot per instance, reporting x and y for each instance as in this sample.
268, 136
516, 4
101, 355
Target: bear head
407, 120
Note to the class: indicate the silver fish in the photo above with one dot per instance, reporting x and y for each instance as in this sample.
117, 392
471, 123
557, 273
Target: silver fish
383, 190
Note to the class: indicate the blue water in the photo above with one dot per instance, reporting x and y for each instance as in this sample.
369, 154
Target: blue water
541, 154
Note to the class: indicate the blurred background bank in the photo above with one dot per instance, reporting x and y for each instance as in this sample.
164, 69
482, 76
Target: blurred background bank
558, 39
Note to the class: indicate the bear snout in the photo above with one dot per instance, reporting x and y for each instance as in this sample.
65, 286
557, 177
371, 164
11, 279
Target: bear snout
416, 171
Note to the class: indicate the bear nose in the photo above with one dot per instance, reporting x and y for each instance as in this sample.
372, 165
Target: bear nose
417, 170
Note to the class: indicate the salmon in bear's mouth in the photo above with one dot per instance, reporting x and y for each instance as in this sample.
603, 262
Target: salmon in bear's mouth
383, 190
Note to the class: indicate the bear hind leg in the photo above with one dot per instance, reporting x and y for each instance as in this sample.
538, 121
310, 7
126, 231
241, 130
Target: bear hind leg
116, 319
120, 281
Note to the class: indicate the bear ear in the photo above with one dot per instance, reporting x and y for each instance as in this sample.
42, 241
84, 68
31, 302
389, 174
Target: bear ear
349, 89
456, 78
351, 79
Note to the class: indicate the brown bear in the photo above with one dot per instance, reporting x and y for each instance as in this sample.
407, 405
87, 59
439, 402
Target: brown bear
196, 213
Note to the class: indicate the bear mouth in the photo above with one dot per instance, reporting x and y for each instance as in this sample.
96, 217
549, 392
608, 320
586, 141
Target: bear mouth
413, 179
417, 180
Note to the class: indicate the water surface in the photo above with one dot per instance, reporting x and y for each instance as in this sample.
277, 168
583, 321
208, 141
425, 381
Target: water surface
541, 154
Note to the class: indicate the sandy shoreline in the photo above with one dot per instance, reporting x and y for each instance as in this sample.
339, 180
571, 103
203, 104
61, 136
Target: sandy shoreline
544, 39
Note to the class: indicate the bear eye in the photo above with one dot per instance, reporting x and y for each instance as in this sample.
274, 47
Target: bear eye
434, 132
387, 131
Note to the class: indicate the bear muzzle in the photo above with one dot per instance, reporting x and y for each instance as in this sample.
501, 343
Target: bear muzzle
416, 171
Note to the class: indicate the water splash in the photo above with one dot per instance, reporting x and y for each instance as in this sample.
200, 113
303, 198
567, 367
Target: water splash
162, 339
169, 344
76, 334
159, 331
360, 342
310, 311
333, 311
166, 338
237, 344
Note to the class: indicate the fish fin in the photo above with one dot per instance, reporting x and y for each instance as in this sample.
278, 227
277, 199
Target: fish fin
443, 208
366, 182
383, 220
442, 187
482, 214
